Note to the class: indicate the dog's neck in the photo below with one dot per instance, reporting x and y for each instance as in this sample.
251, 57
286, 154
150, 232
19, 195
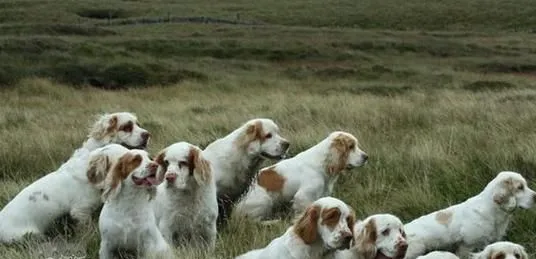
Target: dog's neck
134, 196
298, 249
92, 144
316, 157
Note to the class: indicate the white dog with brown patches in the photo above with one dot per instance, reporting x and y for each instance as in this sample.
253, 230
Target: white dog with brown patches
379, 236
502, 250
440, 255
68, 189
127, 221
302, 179
185, 205
325, 226
236, 158
472, 224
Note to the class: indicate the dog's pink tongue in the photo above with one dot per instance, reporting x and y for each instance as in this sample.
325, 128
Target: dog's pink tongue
152, 180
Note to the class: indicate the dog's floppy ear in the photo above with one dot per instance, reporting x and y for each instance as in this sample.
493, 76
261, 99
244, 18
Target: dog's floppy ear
340, 149
104, 126
98, 168
365, 238
253, 131
162, 166
120, 170
307, 225
503, 194
199, 166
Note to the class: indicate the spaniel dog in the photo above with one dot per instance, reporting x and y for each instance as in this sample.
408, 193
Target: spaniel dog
472, 224
236, 158
185, 205
68, 190
302, 179
502, 250
127, 221
325, 226
442, 255
379, 236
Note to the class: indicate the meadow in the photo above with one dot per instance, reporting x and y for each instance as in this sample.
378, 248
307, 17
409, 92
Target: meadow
440, 93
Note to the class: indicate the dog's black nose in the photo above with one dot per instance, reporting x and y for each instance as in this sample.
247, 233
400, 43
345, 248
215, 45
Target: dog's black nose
364, 156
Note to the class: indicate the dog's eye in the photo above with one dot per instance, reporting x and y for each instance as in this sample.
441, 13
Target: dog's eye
403, 233
166, 163
182, 163
352, 146
269, 135
517, 255
521, 187
385, 232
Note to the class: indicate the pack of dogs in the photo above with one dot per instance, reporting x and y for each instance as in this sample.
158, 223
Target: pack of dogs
184, 195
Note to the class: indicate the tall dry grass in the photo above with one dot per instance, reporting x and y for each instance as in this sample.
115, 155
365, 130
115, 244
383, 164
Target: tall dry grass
428, 149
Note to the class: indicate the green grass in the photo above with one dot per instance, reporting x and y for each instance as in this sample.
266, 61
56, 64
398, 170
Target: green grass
439, 93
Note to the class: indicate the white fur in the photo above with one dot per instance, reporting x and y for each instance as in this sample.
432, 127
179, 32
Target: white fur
508, 249
439, 255
67, 190
236, 161
307, 177
292, 245
127, 221
478, 221
378, 236
185, 205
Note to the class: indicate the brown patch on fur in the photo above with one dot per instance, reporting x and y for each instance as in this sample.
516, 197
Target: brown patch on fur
341, 146
127, 127
124, 166
199, 166
499, 255
98, 168
159, 159
331, 217
444, 217
306, 226
351, 220
508, 189
254, 131
271, 180
113, 125
366, 240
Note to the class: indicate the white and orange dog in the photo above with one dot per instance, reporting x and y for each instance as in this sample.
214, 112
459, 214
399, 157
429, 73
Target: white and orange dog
502, 250
473, 224
68, 190
325, 226
127, 221
302, 179
379, 236
236, 158
185, 205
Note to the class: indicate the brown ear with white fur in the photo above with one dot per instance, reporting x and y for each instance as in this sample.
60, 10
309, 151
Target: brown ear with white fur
307, 225
98, 168
365, 239
253, 132
503, 196
104, 126
340, 149
199, 166
120, 170
162, 166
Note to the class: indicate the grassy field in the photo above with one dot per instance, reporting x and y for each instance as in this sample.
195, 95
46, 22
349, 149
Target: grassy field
441, 94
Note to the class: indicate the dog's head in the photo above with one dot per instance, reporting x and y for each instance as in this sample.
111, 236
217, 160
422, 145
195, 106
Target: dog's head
101, 161
120, 128
343, 153
510, 190
261, 137
326, 221
182, 166
502, 250
380, 236
134, 168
